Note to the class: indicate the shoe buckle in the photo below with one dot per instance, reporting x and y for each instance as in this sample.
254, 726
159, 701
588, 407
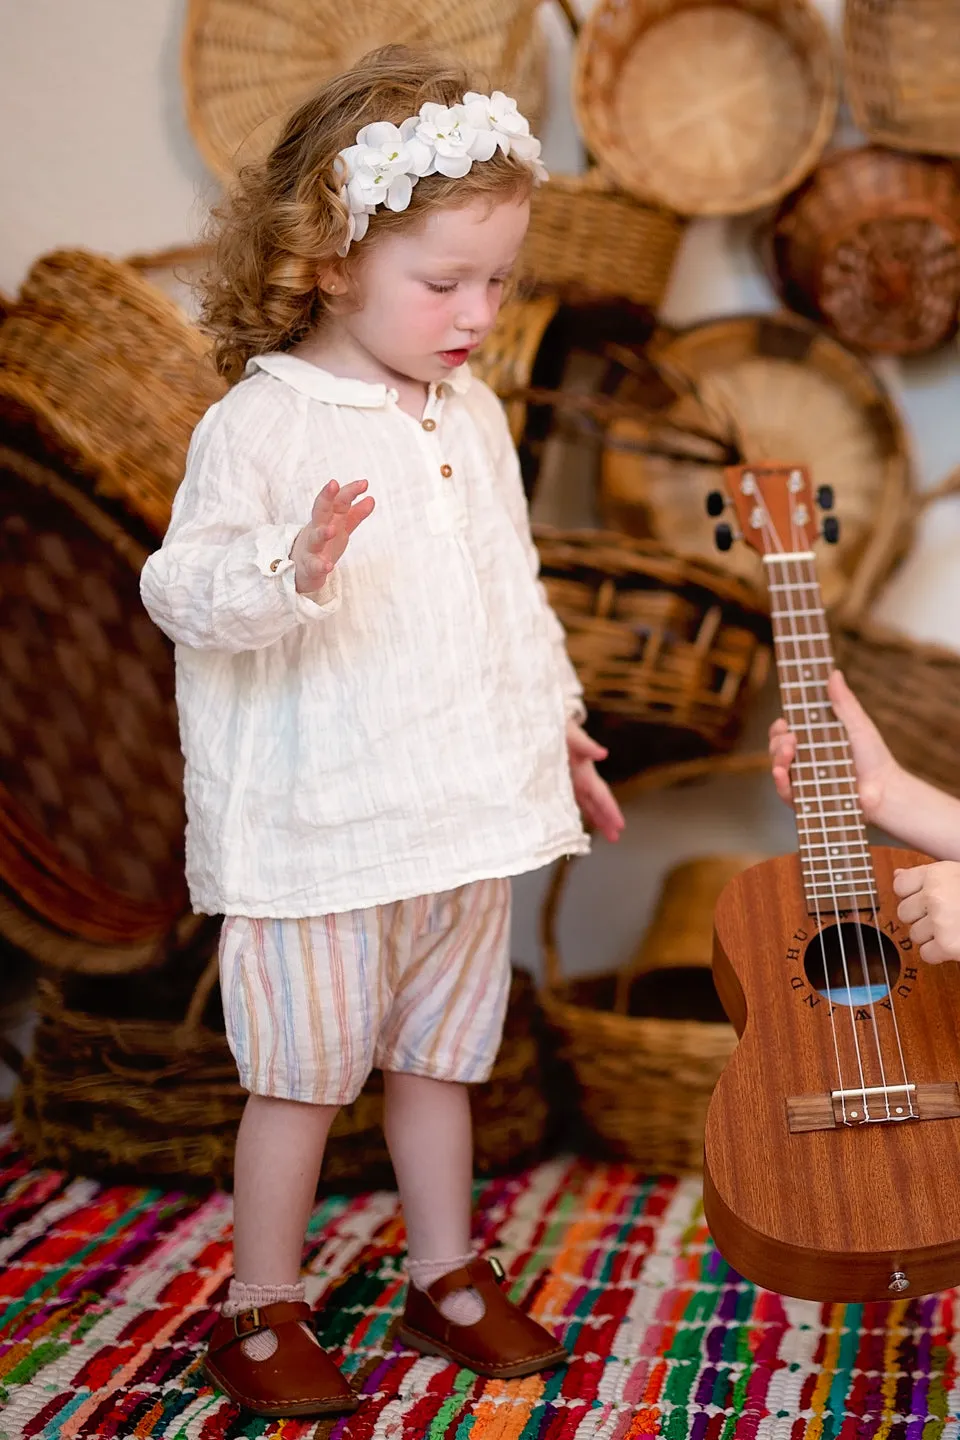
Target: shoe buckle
248, 1322
499, 1273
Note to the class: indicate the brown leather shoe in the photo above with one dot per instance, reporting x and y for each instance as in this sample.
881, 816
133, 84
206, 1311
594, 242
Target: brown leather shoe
503, 1344
298, 1379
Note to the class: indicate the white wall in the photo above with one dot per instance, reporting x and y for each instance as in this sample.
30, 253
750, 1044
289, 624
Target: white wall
97, 153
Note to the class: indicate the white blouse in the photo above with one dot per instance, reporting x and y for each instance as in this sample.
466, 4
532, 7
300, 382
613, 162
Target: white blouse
400, 732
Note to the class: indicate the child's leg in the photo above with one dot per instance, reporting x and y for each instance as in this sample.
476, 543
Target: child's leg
429, 1135
279, 1153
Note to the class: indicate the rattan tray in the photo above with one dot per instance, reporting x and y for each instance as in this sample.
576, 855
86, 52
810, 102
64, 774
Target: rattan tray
708, 109
247, 63
779, 389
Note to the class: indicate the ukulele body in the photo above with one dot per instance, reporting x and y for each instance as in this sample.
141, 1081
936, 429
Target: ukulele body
847, 1209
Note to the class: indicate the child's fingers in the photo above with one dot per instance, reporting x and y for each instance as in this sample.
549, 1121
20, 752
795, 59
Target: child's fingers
323, 505
909, 882
348, 493
781, 782
358, 513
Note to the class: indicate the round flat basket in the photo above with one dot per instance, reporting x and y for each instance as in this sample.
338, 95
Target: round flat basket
642, 1048
247, 63
870, 247
709, 109
111, 374
91, 802
778, 389
670, 652
901, 61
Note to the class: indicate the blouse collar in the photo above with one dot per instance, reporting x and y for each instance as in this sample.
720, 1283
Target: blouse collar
319, 384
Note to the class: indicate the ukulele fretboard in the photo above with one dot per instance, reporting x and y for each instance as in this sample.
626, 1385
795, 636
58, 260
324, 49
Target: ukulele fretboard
837, 870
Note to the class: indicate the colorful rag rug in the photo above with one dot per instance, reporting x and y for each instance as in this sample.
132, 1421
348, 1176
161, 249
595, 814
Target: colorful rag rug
105, 1297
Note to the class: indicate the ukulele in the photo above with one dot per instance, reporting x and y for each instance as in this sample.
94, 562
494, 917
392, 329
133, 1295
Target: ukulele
832, 1145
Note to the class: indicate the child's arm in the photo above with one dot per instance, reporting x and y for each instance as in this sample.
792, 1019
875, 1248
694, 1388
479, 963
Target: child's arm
594, 796
898, 802
904, 806
226, 577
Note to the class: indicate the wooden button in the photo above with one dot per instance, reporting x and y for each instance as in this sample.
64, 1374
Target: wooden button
446, 471
275, 564
429, 424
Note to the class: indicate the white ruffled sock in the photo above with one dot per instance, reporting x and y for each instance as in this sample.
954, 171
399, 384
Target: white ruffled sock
242, 1297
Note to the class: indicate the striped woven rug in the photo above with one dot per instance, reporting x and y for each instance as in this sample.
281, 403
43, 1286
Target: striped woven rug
105, 1296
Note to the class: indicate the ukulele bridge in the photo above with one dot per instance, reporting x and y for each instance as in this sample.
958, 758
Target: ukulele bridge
873, 1105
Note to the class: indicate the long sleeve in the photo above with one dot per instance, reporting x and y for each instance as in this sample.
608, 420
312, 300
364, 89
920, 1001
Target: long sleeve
511, 480
223, 579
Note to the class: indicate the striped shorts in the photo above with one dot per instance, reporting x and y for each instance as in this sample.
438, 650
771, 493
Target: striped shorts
420, 986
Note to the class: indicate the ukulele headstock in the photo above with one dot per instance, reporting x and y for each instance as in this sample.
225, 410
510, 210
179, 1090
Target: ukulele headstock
776, 509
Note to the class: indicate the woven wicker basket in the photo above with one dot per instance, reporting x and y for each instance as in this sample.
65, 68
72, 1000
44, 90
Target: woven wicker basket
91, 803
902, 72
775, 386
911, 689
643, 1047
246, 65
670, 652
107, 1091
587, 238
706, 108
870, 246
112, 375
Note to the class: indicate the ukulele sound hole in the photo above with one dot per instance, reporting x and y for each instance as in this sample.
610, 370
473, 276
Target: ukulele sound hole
851, 964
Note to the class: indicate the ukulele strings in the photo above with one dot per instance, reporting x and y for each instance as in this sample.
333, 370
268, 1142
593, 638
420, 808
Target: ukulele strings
854, 863
773, 548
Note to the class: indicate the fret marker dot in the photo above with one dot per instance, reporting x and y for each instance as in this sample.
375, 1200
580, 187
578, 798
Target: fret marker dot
848, 804
806, 674
822, 774
854, 1114
814, 714
899, 1109
835, 852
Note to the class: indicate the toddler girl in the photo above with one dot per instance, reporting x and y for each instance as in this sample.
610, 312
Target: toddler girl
378, 716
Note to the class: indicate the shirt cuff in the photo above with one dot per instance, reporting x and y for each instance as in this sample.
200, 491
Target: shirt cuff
576, 709
274, 563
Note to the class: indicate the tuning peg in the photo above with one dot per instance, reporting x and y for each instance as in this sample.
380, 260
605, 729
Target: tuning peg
716, 503
825, 497
723, 535
831, 529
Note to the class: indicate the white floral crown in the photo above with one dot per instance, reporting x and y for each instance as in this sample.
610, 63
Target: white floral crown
388, 160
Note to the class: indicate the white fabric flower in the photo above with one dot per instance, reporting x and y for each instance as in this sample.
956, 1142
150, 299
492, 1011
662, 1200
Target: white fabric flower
455, 143
386, 161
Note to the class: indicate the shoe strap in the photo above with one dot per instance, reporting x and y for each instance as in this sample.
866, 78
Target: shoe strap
260, 1317
481, 1274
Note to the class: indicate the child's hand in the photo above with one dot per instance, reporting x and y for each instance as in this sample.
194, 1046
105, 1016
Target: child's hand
872, 761
336, 514
931, 907
594, 796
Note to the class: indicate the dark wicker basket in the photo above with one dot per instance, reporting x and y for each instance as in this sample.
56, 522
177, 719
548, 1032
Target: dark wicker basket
91, 803
108, 1091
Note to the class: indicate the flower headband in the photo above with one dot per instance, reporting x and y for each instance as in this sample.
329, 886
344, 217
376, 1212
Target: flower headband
388, 160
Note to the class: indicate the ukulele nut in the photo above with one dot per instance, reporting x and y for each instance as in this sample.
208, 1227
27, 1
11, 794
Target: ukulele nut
898, 1282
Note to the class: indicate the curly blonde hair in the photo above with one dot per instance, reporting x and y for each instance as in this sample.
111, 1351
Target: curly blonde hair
281, 226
